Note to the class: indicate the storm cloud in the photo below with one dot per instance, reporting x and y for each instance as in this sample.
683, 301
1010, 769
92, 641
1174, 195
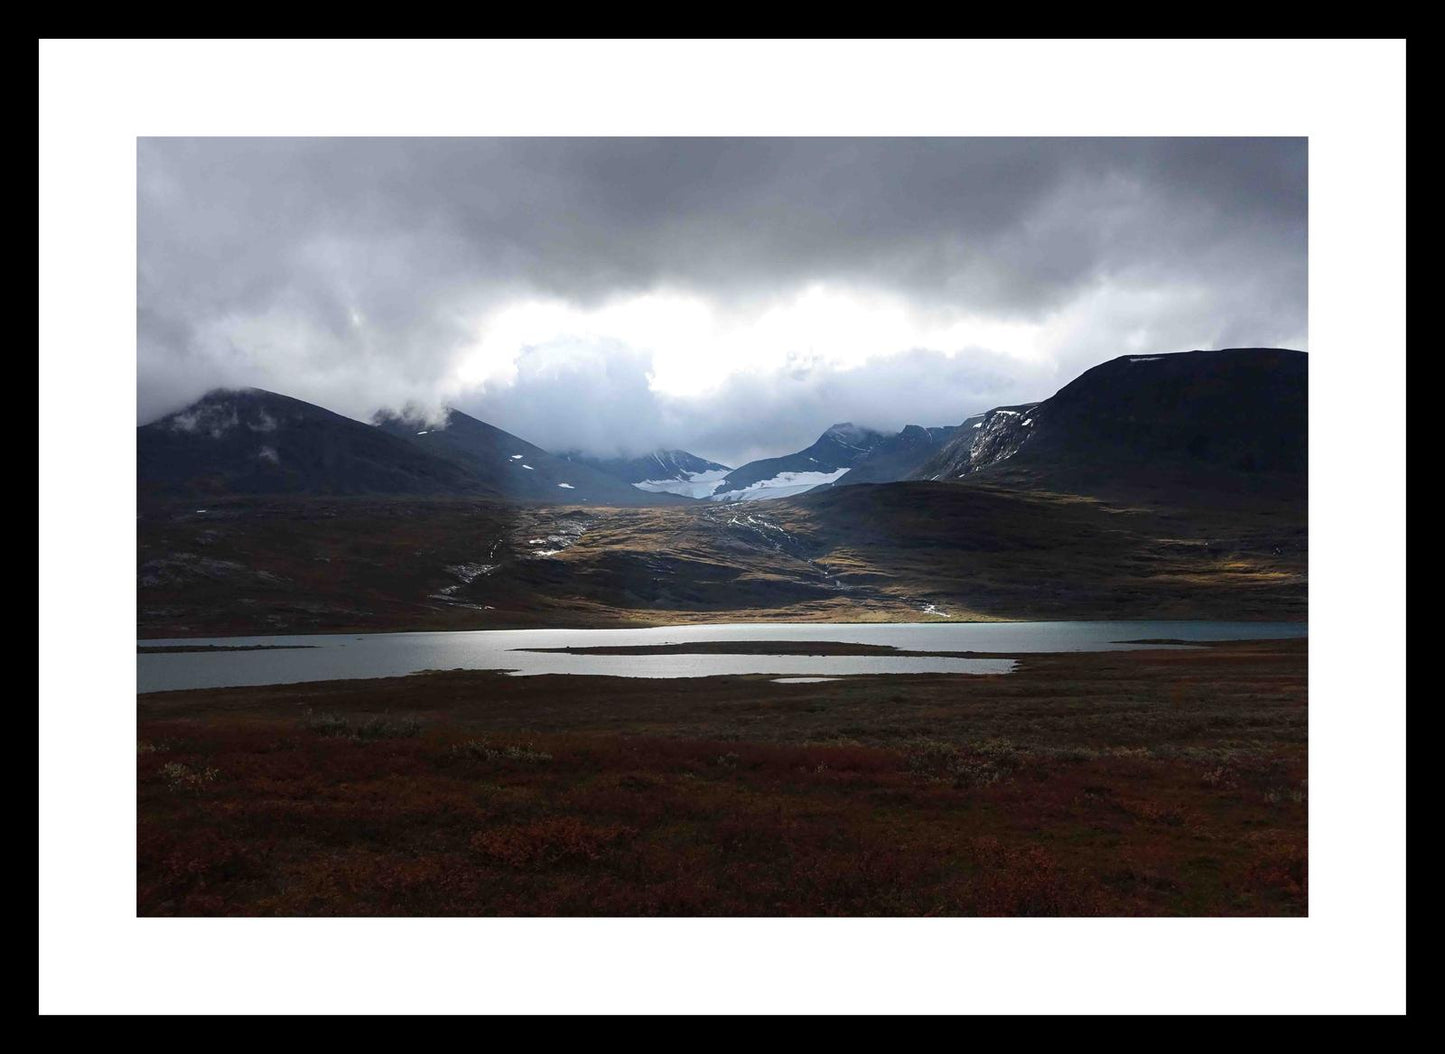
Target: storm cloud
729, 296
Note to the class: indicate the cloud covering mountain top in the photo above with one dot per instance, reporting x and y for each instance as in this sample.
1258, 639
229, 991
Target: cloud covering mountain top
732, 297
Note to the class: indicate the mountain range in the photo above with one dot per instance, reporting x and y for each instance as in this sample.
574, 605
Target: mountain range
1209, 414
1160, 486
251, 441
502, 465
661, 472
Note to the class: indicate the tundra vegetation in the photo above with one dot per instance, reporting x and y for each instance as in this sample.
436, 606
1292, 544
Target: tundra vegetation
1121, 783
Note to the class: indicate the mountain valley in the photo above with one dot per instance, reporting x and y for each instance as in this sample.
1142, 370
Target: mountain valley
1162, 487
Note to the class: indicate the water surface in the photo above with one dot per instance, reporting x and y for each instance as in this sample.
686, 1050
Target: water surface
325, 657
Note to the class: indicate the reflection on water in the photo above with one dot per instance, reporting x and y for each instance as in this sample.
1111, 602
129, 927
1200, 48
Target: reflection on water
345, 657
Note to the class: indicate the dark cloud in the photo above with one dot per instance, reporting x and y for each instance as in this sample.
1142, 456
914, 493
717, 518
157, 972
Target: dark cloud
362, 272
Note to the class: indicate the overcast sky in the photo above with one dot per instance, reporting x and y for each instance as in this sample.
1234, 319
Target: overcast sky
732, 297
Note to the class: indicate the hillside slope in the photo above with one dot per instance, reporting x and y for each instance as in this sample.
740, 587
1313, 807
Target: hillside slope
1212, 419
897, 457
511, 467
252, 441
831, 455
897, 552
661, 472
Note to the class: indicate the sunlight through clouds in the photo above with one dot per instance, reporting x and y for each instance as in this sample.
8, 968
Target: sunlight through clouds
718, 295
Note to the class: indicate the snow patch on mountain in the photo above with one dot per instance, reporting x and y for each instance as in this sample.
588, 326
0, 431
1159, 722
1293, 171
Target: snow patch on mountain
783, 485
690, 485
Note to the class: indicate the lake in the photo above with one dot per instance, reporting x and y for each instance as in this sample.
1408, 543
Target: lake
325, 657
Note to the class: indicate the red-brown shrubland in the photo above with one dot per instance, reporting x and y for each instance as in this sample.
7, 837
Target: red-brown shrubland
1074, 787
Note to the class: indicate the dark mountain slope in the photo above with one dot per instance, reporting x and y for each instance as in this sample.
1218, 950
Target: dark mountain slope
512, 467
836, 450
251, 441
897, 457
661, 472
1214, 419
983, 439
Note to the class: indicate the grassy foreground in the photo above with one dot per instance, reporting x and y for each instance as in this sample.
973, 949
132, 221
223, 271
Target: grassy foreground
1125, 783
